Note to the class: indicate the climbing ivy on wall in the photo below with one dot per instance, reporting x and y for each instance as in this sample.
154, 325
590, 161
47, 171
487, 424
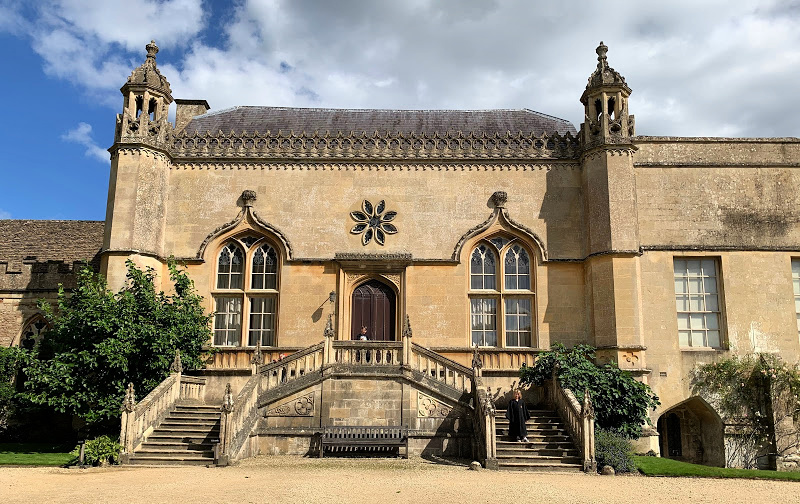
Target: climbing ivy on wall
753, 393
622, 403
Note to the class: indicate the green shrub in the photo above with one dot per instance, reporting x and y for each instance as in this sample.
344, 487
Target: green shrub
99, 450
614, 450
621, 402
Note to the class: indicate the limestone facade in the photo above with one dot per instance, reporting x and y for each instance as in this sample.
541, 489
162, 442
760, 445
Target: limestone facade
311, 204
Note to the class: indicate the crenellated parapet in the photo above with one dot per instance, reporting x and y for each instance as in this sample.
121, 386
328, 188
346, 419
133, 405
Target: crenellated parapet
455, 145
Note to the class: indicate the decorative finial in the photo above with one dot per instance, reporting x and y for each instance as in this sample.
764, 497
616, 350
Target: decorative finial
152, 49
499, 199
248, 197
328, 333
477, 362
176, 366
601, 50
227, 399
258, 355
407, 332
129, 403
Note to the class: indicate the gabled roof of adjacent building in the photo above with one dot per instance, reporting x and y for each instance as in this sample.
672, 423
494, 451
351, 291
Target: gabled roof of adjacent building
321, 120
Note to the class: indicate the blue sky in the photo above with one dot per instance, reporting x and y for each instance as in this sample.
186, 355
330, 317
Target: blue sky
713, 68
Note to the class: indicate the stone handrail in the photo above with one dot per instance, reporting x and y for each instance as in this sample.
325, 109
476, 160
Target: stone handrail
140, 419
441, 368
484, 424
578, 418
292, 367
237, 418
368, 353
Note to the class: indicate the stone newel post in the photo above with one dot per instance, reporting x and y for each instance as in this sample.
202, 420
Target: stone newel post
407, 333
225, 432
587, 415
327, 347
128, 422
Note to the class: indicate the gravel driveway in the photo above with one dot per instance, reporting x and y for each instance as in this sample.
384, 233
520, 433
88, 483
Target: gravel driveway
332, 480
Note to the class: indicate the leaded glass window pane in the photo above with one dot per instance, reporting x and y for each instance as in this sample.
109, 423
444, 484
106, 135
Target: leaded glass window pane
265, 268
229, 267
262, 321
518, 269
518, 322
483, 312
227, 321
482, 268
697, 302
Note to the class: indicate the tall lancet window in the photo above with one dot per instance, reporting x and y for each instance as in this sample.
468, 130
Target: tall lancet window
501, 295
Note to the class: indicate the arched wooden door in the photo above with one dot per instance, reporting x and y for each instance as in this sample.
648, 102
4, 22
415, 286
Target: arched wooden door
374, 307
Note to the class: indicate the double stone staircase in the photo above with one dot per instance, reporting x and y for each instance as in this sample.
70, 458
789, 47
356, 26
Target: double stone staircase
186, 437
549, 447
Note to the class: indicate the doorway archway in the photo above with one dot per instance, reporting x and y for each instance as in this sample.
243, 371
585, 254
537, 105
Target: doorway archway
374, 306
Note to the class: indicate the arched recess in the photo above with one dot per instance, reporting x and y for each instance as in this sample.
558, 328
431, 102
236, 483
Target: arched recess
691, 431
389, 283
373, 305
32, 331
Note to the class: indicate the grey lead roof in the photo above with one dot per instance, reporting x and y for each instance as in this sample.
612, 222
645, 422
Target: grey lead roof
333, 121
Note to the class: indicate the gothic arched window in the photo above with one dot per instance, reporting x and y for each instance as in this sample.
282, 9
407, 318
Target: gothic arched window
246, 307
505, 285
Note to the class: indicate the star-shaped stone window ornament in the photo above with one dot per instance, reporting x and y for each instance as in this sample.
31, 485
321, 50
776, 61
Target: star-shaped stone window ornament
373, 222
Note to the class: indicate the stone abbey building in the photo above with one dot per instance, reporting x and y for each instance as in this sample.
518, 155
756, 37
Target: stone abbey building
501, 230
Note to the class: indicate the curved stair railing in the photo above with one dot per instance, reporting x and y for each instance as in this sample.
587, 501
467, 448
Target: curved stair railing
140, 419
438, 367
577, 417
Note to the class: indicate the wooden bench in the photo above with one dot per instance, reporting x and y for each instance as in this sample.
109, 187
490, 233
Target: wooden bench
357, 438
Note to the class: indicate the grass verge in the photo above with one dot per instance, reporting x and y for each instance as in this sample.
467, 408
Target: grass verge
34, 454
657, 466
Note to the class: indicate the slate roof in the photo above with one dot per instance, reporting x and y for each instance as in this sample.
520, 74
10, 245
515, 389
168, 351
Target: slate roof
50, 240
309, 120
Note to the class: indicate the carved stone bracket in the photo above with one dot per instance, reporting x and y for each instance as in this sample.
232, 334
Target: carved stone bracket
428, 407
302, 406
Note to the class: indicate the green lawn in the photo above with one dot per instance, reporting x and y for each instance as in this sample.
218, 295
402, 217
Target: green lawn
657, 466
39, 454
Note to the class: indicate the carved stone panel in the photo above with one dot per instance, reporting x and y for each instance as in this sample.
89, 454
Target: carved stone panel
300, 406
428, 407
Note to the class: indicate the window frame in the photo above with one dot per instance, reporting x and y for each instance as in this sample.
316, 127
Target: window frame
249, 242
501, 294
795, 271
688, 294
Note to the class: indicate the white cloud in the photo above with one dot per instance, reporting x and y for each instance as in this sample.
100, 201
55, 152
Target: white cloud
710, 68
82, 135
4, 214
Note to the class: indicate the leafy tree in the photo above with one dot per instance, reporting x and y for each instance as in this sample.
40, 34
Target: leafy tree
754, 393
100, 341
9, 366
621, 403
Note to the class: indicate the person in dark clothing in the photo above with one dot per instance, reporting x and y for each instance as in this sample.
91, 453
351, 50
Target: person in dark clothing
517, 414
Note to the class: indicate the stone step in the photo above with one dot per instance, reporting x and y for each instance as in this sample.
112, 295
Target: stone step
538, 467
173, 446
169, 437
189, 428
163, 452
539, 459
198, 408
532, 421
185, 415
171, 423
543, 452
171, 460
